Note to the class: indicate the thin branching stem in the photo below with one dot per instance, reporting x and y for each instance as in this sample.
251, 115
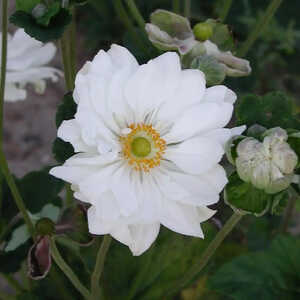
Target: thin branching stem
99, 266
136, 14
260, 27
207, 254
225, 10
67, 270
176, 6
187, 8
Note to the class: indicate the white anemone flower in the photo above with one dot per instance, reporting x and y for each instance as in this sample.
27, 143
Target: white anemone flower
26, 64
149, 140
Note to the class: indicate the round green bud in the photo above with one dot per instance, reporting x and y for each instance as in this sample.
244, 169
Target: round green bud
203, 31
140, 147
45, 226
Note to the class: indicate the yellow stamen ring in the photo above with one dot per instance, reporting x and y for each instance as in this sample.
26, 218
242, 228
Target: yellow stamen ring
143, 147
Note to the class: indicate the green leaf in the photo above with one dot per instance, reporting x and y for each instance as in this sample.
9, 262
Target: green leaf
270, 274
148, 276
51, 11
26, 5
66, 110
244, 197
274, 109
10, 262
38, 189
42, 33
213, 70
62, 150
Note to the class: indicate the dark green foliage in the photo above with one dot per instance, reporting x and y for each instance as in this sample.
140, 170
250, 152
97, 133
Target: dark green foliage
62, 150
66, 110
53, 31
270, 274
245, 197
38, 189
10, 262
26, 5
153, 273
271, 110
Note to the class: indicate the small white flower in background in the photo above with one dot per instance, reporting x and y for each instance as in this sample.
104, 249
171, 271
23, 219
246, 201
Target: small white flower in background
26, 64
150, 139
268, 165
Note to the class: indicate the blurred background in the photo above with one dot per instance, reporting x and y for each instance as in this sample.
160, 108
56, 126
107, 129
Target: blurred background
30, 127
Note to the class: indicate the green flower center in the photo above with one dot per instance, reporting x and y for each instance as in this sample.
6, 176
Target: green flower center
141, 147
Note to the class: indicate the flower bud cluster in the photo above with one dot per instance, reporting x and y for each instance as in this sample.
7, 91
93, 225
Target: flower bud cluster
198, 46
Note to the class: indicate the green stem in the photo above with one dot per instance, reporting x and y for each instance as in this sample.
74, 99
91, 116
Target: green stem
187, 8
136, 14
3, 65
207, 254
289, 211
260, 27
69, 195
15, 192
72, 37
2, 81
176, 6
99, 266
67, 270
225, 10
66, 60
13, 283
122, 14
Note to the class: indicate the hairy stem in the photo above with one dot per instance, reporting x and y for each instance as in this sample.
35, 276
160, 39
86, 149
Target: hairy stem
176, 6
207, 254
65, 51
136, 14
99, 266
225, 10
15, 192
122, 14
67, 270
73, 55
187, 8
289, 211
260, 27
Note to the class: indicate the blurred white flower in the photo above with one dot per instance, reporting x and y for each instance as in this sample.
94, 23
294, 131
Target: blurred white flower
268, 165
26, 60
150, 139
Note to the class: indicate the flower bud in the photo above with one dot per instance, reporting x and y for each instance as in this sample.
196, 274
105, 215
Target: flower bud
45, 226
268, 165
203, 31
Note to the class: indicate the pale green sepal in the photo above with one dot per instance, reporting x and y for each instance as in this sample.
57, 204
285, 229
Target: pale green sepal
213, 70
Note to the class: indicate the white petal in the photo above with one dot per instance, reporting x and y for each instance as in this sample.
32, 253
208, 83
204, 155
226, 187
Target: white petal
143, 235
121, 57
152, 84
200, 118
189, 91
124, 190
219, 93
184, 219
196, 155
222, 135
69, 131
